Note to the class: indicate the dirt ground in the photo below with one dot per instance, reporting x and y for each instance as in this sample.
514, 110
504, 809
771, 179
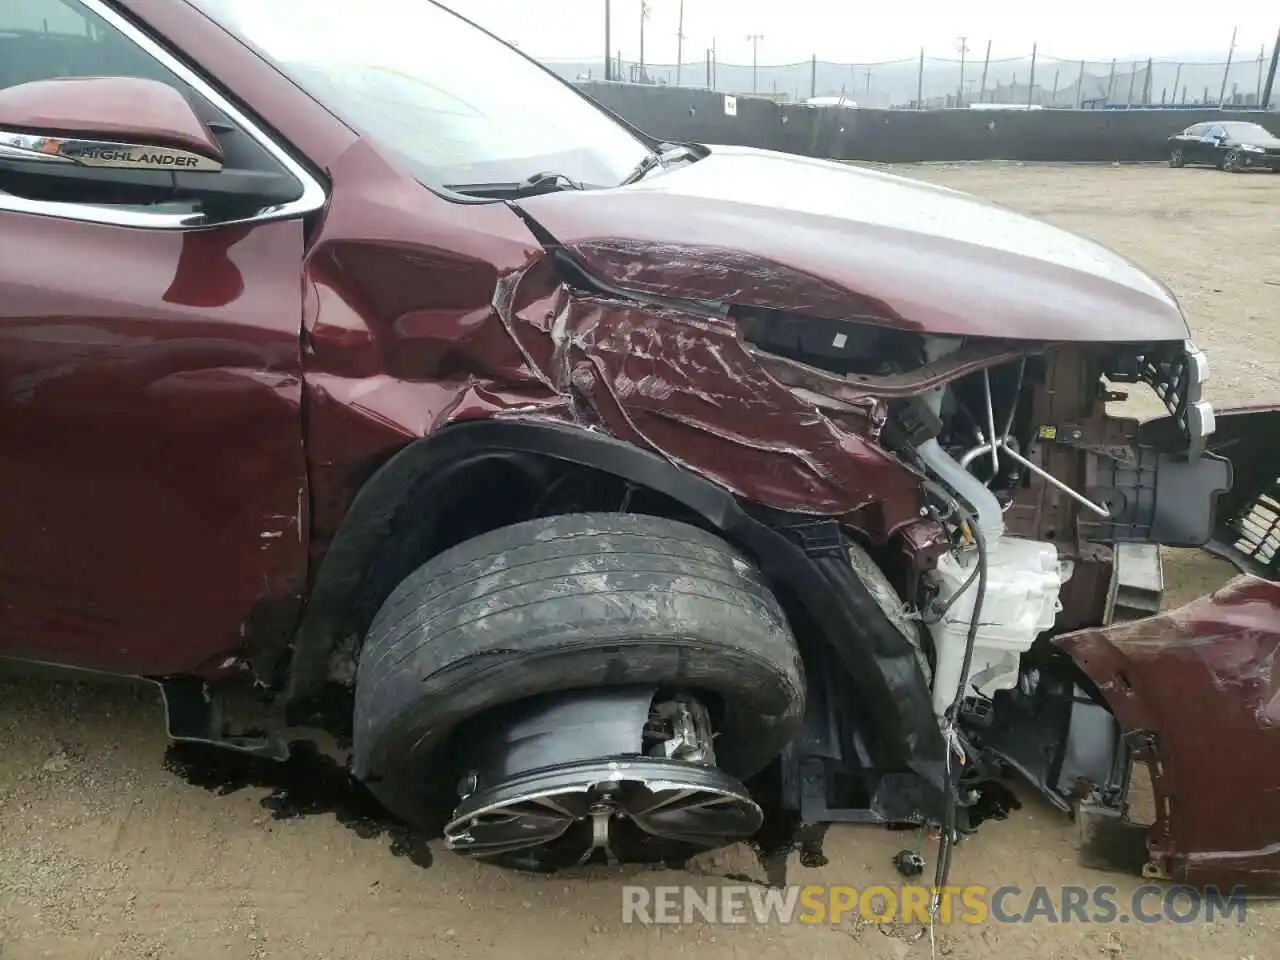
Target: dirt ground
105, 853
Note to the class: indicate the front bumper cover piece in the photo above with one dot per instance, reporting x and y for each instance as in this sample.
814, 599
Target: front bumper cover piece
1197, 694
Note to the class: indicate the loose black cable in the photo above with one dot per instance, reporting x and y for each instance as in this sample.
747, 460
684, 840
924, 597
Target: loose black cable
947, 842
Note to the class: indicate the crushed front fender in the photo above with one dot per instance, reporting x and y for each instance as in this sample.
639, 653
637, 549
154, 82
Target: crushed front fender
1197, 692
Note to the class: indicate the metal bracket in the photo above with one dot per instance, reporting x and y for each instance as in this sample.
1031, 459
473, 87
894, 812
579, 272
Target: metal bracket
818, 538
1137, 582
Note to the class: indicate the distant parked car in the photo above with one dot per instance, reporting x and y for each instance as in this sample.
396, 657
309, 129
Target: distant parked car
1235, 147
840, 101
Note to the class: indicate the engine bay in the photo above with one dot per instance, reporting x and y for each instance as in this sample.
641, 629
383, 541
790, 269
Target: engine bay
1054, 505
1053, 484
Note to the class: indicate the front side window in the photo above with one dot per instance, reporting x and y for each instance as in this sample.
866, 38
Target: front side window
48, 39
457, 105
1247, 132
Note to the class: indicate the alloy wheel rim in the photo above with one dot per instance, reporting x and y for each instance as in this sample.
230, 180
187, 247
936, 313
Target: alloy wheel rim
618, 810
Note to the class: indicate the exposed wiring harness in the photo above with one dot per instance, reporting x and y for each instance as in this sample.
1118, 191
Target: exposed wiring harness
972, 530
936, 616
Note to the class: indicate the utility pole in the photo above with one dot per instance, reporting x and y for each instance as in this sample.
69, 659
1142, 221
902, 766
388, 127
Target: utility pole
755, 39
1271, 74
868, 88
963, 47
608, 42
986, 61
1031, 84
680, 44
644, 15
1222, 94
920, 82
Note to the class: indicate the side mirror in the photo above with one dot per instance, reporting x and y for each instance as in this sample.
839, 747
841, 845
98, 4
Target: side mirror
134, 140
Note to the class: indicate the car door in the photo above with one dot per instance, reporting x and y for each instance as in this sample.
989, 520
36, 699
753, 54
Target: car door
1189, 140
153, 493
1213, 144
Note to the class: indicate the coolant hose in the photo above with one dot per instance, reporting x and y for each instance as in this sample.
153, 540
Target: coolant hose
965, 485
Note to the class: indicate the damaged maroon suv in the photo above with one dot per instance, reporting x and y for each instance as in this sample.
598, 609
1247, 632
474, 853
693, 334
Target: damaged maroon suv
581, 479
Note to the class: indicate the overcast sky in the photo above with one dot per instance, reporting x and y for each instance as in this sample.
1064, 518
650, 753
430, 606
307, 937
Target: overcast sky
858, 31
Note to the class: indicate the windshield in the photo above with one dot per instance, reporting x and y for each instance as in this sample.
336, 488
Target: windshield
1246, 131
456, 104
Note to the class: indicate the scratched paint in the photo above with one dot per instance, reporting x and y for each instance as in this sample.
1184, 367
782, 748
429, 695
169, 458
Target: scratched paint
405, 335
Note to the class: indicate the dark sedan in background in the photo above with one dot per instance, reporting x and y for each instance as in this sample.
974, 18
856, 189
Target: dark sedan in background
1234, 146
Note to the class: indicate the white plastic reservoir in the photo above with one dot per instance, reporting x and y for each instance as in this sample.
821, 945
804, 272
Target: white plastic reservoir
1024, 579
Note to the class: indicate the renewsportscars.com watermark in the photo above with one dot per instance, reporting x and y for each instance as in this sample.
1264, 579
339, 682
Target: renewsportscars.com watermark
1103, 904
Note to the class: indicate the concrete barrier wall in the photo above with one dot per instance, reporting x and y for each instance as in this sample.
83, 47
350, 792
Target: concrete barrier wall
904, 136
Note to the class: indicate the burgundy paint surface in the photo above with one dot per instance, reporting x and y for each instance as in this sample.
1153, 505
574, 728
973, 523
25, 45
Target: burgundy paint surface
682, 385
422, 312
791, 233
128, 109
157, 471
402, 331
153, 487
414, 312
1205, 680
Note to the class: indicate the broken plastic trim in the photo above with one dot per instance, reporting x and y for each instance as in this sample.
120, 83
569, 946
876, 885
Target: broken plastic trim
1197, 693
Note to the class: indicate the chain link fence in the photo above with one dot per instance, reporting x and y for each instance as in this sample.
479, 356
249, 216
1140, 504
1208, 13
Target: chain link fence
926, 82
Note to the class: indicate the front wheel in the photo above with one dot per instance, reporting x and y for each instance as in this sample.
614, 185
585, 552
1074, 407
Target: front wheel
1176, 158
596, 685
1231, 162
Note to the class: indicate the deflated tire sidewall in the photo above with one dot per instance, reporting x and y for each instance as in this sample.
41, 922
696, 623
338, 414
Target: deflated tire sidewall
638, 600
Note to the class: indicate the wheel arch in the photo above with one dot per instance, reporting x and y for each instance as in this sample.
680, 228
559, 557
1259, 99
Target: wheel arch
405, 500
362, 566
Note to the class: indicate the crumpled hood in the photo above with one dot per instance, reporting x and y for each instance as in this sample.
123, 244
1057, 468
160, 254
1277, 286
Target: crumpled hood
826, 239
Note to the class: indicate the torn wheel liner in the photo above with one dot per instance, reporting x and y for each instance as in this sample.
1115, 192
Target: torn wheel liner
1198, 693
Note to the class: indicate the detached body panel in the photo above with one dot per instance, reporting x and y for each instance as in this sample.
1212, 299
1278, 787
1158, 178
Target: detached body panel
1197, 691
